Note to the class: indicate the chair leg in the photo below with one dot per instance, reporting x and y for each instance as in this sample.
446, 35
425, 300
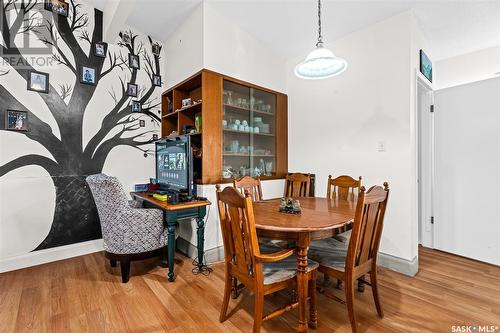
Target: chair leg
326, 279
258, 310
374, 283
125, 268
339, 284
349, 298
227, 294
313, 312
112, 262
361, 285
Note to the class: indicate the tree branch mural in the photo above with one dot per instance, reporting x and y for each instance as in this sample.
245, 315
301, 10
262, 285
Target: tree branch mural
75, 217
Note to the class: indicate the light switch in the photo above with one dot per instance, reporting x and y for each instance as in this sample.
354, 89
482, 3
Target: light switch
381, 147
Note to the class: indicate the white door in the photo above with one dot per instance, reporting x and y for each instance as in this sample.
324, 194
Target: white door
467, 170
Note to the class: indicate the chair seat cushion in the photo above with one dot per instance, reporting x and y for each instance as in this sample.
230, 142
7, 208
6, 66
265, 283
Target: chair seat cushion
329, 253
344, 237
284, 269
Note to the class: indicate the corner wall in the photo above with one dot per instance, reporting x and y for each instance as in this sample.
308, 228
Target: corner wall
343, 123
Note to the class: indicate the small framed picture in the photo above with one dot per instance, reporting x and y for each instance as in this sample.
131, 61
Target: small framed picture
157, 80
57, 6
186, 102
133, 61
132, 89
38, 81
100, 49
125, 37
16, 120
142, 123
155, 137
156, 49
88, 75
136, 106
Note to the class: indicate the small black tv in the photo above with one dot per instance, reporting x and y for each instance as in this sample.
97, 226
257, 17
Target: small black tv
174, 164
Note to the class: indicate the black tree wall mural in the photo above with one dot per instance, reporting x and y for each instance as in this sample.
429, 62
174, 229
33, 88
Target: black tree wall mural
75, 218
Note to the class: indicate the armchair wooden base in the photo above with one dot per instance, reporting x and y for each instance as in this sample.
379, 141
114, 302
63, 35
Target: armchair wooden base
125, 259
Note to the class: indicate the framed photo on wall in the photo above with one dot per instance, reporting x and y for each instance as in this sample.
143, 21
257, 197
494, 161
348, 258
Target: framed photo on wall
88, 75
133, 61
132, 89
157, 80
38, 81
16, 120
425, 66
100, 49
136, 106
57, 6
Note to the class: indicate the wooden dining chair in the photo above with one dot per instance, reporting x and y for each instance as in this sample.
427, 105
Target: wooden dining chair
252, 185
349, 261
297, 185
342, 187
262, 273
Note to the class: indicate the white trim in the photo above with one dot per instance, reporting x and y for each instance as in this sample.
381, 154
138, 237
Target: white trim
50, 255
403, 266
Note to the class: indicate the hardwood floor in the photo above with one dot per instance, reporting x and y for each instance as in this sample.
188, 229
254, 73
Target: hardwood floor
85, 294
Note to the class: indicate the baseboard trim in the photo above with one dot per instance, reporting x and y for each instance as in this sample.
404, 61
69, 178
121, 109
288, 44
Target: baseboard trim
403, 266
211, 255
50, 255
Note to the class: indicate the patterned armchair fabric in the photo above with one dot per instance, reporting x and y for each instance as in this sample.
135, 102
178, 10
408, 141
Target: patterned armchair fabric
126, 229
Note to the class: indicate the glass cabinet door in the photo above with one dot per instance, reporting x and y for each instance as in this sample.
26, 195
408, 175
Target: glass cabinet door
248, 122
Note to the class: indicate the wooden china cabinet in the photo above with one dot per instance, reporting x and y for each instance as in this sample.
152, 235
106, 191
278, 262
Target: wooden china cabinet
237, 128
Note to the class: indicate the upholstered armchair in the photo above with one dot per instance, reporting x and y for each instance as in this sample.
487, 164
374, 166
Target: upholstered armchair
128, 231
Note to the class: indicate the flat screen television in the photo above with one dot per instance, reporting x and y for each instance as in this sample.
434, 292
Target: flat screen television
425, 66
174, 164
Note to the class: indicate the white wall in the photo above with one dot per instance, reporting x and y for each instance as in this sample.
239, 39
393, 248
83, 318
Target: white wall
184, 49
467, 159
232, 51
466, 68
338, 123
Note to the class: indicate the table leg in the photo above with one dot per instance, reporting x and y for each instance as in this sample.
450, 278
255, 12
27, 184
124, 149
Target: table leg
171, 224
302, 281
200, 231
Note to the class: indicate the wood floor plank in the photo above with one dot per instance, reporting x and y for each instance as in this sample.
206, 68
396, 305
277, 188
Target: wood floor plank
85, 294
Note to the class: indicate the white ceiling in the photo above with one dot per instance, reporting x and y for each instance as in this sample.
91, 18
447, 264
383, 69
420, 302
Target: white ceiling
290, 26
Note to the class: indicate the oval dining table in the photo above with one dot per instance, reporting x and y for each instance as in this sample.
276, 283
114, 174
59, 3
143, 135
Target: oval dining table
320, 218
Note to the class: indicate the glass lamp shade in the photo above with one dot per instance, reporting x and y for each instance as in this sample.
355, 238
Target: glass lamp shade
321, 63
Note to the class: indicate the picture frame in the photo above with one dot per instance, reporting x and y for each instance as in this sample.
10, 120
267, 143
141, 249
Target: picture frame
134, 61
59, 7
156, 80
38, 81
100, 49
425, 66
88, 75
126, 38
142, 123
132, 89
155, 137
16, 120
156, 49
136, 106
186, 102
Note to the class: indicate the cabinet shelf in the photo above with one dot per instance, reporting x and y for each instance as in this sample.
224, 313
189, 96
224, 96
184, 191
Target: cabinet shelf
247, 110
192, 108
247, 133
245, 155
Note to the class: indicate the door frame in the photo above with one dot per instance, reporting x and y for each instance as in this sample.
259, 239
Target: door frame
424, 214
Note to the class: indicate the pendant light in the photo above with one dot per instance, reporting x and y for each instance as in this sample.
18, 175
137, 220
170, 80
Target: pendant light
321, 63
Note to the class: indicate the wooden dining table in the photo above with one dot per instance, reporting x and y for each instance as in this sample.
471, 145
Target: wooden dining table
320, 218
